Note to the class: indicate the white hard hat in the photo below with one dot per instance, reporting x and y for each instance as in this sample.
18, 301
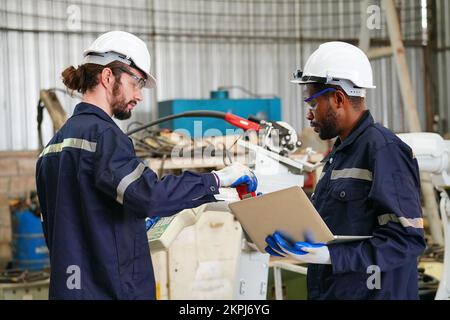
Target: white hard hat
338, 63
124, 47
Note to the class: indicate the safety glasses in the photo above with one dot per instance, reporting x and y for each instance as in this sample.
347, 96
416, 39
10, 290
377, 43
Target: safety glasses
139, 82
311, 101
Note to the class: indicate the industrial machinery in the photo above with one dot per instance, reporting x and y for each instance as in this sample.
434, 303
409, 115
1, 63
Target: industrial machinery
433, 155
262, 107
204, 251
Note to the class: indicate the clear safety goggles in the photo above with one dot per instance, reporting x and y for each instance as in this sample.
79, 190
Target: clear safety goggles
139, 82
311, 101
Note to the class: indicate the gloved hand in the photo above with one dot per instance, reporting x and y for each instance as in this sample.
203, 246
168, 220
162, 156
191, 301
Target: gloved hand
236, 174
306, 252
150, 222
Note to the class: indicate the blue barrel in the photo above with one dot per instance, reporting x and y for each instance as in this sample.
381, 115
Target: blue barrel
30, 251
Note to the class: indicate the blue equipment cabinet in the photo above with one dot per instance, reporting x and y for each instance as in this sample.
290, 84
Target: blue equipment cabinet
267, 109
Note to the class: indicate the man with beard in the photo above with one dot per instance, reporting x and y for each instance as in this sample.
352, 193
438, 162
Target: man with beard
95, 194
370, 186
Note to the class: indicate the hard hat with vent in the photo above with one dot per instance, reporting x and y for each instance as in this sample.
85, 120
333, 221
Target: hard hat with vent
124, 47
338, 63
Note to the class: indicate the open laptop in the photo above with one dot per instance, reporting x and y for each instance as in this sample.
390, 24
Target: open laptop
289, 211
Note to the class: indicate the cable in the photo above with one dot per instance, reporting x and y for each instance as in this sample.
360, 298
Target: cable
133, 123
188, 114
39, 118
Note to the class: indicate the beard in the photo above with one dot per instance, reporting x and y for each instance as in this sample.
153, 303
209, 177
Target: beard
328, 127
120, 109
119, 105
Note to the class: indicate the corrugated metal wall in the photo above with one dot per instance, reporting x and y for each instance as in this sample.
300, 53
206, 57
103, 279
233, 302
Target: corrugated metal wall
198, 45
39, 39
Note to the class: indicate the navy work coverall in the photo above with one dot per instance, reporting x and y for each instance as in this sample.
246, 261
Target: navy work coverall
95, 195
370, 185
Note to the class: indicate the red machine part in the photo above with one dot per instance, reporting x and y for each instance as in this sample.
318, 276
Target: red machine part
241, 122
245, 125
243, 193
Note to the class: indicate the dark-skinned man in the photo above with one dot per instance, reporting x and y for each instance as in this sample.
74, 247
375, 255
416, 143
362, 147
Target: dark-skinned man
369, 186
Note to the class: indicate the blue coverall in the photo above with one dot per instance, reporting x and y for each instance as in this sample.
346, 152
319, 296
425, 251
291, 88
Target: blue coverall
95, 195
370, 185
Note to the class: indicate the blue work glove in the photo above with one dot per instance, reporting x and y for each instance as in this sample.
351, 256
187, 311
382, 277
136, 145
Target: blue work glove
250, 180
236, 174
308, 251
150, 222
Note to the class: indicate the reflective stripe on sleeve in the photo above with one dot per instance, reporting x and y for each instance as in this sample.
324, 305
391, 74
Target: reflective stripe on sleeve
127, 180
70, 143
406, 222
355, 173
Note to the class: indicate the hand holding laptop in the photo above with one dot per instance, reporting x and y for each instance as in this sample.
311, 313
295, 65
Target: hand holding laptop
289, 211
281, 245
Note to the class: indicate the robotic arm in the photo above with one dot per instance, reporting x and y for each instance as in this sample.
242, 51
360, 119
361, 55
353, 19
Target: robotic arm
431, 150
278, 136
433, 155
277, 140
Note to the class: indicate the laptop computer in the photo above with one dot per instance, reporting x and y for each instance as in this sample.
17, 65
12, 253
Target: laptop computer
287, 210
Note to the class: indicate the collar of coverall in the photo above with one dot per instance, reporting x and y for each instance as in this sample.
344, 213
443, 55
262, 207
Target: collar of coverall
84, 107
365, 121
